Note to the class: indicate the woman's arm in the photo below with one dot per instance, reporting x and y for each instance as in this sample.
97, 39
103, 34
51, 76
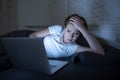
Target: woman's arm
95, 46
42, 33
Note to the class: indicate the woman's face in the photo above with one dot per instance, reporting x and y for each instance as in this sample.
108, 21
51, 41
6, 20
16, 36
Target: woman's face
71, 34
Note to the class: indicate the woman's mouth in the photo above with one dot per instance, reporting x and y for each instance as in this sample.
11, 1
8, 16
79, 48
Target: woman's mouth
69, 40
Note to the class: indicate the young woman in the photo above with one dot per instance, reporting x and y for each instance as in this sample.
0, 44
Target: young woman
61, 42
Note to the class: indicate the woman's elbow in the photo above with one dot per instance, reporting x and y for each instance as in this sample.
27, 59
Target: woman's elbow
32, 35
101, 52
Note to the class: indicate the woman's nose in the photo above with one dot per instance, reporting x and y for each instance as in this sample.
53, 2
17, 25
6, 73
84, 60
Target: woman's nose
71, 35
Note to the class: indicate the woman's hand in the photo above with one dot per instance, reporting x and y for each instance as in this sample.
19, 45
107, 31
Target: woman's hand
79, 24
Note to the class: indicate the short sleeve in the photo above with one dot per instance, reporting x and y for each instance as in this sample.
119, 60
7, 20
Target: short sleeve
71, 49
56, 29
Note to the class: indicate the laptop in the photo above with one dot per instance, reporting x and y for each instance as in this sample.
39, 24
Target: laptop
29, 54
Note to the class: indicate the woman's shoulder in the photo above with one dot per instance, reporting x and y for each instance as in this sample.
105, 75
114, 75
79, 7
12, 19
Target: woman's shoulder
56, 28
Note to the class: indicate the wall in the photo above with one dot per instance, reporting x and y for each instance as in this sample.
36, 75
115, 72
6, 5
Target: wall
8, 16
58, 11
33, 12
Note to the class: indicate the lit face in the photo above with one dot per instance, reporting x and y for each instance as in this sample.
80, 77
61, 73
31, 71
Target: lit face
71, 34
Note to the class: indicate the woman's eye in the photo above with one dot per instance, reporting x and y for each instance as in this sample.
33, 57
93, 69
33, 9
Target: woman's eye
76, 33
68, 30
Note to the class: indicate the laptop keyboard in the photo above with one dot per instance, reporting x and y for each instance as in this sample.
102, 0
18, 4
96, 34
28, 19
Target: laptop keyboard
52, 66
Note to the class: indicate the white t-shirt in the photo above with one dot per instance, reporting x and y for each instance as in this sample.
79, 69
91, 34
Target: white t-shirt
54, 46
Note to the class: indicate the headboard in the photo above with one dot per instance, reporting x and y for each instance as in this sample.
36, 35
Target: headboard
36, 27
